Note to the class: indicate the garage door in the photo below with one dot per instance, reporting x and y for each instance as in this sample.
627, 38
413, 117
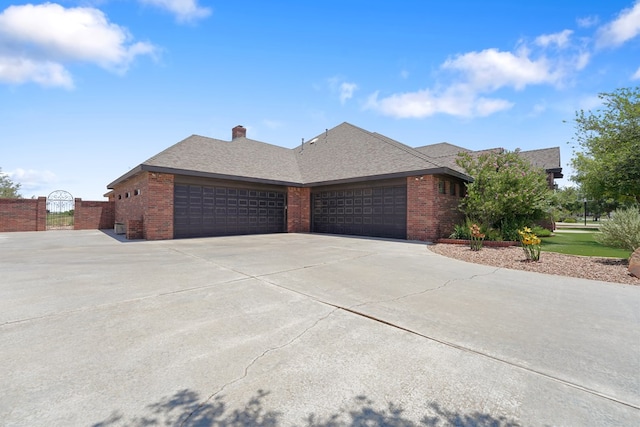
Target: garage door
369, 211
222, 211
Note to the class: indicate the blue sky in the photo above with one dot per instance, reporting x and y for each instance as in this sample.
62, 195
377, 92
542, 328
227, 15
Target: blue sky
92, 88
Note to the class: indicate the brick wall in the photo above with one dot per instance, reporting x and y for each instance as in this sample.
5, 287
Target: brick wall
93, 215
298, 210
430, 213
158, 219
147, 197
23, 214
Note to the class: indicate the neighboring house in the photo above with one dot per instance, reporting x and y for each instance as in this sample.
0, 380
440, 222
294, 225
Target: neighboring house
344, 181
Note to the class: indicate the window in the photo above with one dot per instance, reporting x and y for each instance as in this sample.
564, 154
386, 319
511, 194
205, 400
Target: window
452, 188
136, 192
441, 187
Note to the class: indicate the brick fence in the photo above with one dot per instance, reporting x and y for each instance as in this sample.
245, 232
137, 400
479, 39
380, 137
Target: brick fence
90, 215
31, 214
23, 214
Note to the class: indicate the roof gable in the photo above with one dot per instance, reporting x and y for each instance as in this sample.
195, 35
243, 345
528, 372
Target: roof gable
344, 153
348, 152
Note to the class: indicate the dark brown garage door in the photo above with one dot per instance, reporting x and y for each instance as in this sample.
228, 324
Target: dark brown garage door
370, 211
222, 211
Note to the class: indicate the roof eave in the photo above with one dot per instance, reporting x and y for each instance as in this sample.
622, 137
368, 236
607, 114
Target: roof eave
133, 172
434, 171
186, 172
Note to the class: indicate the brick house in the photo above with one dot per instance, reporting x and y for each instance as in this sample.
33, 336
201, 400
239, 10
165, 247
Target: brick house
344, 181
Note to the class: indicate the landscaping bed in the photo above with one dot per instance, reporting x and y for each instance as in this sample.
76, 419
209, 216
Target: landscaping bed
595, 268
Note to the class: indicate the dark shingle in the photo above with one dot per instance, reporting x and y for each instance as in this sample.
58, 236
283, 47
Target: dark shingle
347, 152
343, 153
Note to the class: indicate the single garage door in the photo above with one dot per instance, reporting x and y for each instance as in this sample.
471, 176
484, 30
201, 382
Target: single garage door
223, 211
379, 211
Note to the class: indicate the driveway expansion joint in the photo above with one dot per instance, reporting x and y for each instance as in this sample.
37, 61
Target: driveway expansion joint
492, 357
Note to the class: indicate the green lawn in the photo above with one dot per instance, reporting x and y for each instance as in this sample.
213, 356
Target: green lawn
582, 243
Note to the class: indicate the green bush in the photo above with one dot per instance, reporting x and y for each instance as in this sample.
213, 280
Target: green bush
541, 231
460, 231
493, 235
622, 231
570, 220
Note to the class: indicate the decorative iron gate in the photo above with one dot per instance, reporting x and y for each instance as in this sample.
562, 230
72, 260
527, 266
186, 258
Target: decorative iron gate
60, 207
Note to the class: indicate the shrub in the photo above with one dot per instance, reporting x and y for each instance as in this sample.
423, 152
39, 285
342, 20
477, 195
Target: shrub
541, 231
461, 232
570, 220
622, 231
493, 235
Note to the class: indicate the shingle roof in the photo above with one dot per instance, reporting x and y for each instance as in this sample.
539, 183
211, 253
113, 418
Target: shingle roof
546, 158
441, 149
344, 153
349, 152
446, 154
240, 157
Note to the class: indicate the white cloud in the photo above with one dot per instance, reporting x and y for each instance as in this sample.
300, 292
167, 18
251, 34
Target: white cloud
561, 39
19, 70
625, 27
343, 88
636, 75
39, 39
346, 91
492, 69
184, 10
31, 179
587, 21
471, 78
456, 101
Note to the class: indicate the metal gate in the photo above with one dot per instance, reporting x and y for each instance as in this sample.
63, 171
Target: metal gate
60, 210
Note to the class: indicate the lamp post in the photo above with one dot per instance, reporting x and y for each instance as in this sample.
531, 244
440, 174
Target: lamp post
585, 211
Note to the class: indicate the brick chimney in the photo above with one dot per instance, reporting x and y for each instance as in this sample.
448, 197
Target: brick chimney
238, 132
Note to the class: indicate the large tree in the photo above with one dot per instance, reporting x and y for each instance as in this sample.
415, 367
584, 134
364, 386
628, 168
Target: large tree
507, 191
608, 165
8, 189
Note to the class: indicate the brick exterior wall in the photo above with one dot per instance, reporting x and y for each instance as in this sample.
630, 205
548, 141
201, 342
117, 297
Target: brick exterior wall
147, 197
158, 220
430, 213
298, 210
23, 214
90, 215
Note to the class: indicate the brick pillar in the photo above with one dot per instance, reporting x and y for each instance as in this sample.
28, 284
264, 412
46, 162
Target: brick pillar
431, 215
298, 210
158, 217
420, 194
41, 214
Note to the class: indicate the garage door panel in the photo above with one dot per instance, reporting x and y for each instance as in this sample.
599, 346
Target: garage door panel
374, 211
221, 211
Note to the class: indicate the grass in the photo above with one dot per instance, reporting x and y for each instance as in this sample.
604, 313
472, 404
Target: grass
581, 243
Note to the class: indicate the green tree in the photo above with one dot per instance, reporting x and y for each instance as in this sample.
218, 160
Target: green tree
567, 203
609, 164
8, 189
507, 191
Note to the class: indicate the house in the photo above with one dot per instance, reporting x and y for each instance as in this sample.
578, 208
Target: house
344, 181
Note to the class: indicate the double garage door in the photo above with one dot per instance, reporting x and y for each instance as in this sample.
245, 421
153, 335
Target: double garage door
203, 210
377, 211
212, 209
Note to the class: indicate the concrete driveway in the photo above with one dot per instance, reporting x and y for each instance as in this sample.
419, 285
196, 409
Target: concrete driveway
306, 330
